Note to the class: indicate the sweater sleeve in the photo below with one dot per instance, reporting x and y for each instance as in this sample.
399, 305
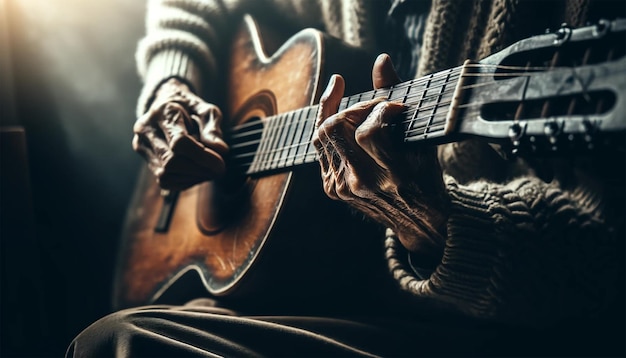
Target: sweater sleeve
524, 252
182, 39
185, 39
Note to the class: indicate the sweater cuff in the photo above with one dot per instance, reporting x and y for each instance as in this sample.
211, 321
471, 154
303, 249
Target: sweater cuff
163, 66
469, 277
469, 274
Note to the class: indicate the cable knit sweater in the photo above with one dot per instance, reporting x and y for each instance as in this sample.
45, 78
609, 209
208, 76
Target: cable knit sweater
519, 248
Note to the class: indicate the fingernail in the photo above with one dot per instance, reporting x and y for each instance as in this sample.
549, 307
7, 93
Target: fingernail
330, 86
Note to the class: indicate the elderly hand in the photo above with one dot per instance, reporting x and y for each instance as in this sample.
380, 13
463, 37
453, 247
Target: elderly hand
180, 137
362, 166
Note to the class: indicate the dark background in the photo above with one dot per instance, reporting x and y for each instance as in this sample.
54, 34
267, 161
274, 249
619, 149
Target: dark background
68, 78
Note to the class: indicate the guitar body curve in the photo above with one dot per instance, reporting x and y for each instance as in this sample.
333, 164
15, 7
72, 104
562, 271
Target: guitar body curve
276, 238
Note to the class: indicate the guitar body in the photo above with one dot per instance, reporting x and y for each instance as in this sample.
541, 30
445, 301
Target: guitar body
277, 238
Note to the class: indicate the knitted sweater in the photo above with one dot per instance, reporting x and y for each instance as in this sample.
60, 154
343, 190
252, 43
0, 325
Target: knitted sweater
518, 248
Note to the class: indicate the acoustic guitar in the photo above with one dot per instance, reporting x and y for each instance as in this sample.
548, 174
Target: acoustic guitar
268, 232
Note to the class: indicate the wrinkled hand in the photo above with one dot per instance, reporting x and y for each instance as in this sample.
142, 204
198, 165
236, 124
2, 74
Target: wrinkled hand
363, 167
180, 138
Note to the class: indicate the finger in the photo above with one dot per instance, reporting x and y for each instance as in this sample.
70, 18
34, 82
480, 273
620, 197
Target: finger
383, 72
148, 136
150, 144
154, 162
182, 165
348, 163
319, 147
158, 145
175, 181
374, 134
209, 120
331, 98
201, 155
357, 113
174, 121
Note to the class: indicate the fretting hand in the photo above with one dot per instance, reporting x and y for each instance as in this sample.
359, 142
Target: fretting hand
363, 167
180, 137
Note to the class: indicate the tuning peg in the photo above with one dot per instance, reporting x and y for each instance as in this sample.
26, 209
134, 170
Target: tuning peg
601, 28
515, 133
562, 34
551, 129
589, 130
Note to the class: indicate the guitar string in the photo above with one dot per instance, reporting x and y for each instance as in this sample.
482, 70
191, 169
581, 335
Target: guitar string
441, 74
425, 122
421, 120
238, 133
275, 162
429, 126
292, 122
279, 162
283, 136
285, 159
296, 123
372, 94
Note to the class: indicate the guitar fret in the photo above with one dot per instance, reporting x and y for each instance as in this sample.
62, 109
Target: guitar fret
307, 133
267, 162
352, 100
310, 128
343, 104
439, 95
390, 94
259, 156
295, 139
271, 129
286, 139
420, 103
283, 147
408, 90
278, 151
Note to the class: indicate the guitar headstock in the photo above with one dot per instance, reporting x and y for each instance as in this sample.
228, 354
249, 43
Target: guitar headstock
561, 91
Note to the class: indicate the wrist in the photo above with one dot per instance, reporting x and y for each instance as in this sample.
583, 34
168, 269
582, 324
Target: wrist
171, 87
424, 233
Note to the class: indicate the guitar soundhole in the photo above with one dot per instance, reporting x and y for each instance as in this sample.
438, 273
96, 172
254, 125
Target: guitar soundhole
590, 103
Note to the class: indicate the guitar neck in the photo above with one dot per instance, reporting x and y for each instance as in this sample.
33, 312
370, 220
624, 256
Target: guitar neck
284, 141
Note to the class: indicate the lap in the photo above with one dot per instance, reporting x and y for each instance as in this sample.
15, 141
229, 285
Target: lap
199, 329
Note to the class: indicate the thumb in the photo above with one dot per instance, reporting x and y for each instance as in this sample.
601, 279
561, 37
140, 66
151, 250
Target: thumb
383, 72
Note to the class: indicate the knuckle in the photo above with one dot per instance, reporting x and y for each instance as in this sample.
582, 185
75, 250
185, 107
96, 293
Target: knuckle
357, 187
316, 139
329, 188
135, 143
362, 135
332, 123
209, 112
140, 126
343, 191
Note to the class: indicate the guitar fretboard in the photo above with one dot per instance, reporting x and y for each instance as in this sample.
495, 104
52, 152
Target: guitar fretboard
285, 140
